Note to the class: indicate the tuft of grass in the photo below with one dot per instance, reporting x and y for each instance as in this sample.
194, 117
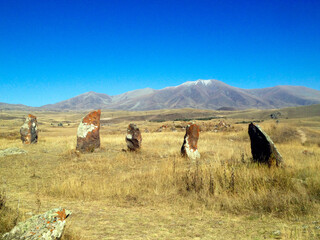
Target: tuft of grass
8, 217
283, 134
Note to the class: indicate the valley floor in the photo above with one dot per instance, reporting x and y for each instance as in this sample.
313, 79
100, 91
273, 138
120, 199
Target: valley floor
156, 194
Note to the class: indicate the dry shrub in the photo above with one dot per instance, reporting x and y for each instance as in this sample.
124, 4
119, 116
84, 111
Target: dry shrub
245, 187
8, 218
10, 135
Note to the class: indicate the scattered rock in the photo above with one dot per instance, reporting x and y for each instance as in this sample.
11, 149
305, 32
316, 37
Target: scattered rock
88, 136
133, 137
48, 226
275, 115
306, 152
189, 147
11, 151
29, 130
262, 147
173, 129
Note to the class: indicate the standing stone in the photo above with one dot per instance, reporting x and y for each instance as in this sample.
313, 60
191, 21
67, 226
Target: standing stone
133, 137
29, 130
47, 226
189, 147
262, 147
88, 137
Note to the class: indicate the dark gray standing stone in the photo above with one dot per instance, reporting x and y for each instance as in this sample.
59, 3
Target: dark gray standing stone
133, 137
262, 147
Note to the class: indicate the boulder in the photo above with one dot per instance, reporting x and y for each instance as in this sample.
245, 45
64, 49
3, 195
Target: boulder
29, 130
189, 147
47, 226
275, 115
262, 147
133, 138
88, 136
11, 151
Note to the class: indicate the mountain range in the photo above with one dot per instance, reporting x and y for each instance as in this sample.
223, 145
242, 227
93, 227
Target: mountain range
201, 94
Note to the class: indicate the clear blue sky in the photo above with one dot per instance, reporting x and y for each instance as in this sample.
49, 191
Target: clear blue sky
54, 50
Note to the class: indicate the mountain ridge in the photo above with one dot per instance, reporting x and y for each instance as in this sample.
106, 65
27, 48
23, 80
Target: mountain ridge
201, 94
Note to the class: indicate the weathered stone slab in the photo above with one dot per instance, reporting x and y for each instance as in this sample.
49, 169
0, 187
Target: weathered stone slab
133, 137
11, 151
47, 226
262, 147
29, 130
88, 136
190, 143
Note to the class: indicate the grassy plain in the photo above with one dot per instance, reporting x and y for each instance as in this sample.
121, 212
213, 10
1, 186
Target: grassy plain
156, 194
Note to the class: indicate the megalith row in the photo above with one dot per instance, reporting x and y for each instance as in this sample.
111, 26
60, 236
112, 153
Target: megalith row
88, 138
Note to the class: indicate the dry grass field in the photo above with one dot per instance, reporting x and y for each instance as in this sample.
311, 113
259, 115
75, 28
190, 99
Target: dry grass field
156, 194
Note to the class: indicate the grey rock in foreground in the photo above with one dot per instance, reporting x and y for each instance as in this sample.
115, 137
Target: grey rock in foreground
262, 147
47, 226
11, 151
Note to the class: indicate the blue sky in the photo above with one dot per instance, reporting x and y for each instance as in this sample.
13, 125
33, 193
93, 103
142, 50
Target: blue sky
54, 50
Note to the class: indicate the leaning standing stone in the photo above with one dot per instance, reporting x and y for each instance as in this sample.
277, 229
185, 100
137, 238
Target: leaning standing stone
262, 147
29, 130
189, 147
47, 226
88, 137
133, 138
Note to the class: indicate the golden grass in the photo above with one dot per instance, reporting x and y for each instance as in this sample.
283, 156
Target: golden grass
156, 194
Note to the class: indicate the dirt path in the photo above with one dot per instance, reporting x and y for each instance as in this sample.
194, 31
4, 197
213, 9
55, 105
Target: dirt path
303, 136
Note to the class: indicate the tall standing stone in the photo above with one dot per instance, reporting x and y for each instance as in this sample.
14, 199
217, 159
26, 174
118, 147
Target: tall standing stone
88, 137
133, 137
262, 147
189, 147
29, 130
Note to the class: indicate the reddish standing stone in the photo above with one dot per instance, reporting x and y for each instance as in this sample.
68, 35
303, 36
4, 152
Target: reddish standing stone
88, 137
262, 147
189, 147
29, 130
133, 138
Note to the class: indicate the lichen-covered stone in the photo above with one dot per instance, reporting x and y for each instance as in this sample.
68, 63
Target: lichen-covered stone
88, 136
190, 143
11, 151
133, 137
47, 226
262, 147
29, 130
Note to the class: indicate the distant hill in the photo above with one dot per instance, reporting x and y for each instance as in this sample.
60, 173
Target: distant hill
200, 94
8, 106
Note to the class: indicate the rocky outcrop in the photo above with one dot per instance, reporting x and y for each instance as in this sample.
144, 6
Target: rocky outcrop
11, 151
88, 136
29, 130
47, 226
262, 147
133, 138
189, 147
